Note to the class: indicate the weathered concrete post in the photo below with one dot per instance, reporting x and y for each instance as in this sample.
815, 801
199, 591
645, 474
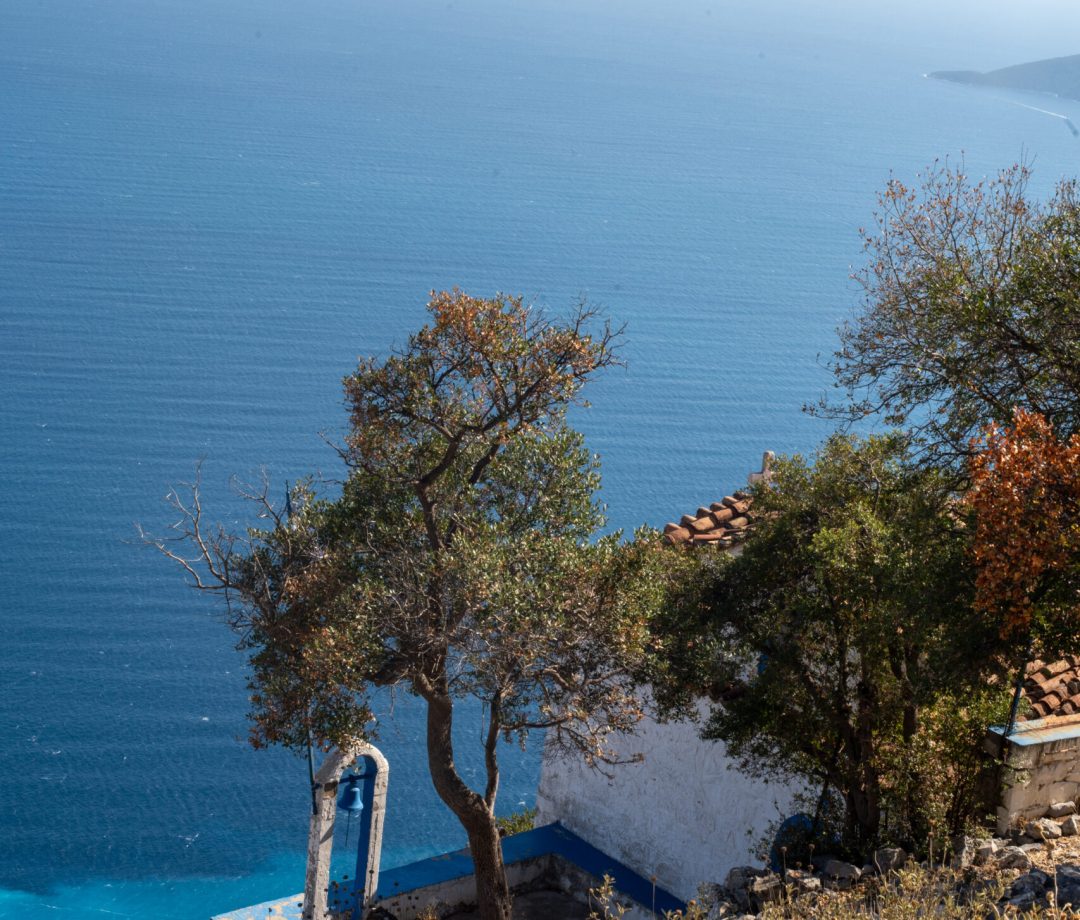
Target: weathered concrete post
321, 832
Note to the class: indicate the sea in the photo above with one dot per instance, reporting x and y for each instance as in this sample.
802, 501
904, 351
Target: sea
210, 208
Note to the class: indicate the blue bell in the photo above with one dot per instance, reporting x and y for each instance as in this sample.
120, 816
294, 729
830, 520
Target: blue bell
352, 797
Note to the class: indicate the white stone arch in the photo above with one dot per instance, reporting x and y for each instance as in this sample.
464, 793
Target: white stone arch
321, 830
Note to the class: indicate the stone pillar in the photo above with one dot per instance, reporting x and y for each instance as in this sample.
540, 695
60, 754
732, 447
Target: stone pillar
377, 776
765, 473
321, 832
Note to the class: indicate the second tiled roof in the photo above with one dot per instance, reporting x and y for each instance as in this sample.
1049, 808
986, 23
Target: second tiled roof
1053, 689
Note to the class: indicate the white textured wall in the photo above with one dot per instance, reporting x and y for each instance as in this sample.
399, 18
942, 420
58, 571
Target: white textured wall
681, 815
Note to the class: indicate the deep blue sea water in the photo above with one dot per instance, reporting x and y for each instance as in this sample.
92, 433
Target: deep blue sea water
209, 208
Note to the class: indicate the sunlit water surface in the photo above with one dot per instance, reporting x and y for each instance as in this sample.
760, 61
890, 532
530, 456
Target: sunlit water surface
209, 209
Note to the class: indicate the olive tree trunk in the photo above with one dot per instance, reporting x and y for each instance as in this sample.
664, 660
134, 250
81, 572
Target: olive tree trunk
475, 813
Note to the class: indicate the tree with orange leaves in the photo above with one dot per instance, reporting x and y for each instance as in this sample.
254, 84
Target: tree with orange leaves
1026, 501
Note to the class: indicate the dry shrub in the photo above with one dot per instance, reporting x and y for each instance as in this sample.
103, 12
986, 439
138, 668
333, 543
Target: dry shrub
913, 894
916, 893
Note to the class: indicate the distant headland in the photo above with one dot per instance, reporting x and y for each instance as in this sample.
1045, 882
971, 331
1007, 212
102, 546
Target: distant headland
1060, 76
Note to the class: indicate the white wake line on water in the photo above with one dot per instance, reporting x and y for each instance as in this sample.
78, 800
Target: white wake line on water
1065, 118
1024, 105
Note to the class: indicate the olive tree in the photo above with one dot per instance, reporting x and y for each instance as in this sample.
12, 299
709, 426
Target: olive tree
460, 560
828, 642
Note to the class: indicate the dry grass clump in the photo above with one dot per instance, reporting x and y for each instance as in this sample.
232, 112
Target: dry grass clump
916, 893
943, 894
1056, 852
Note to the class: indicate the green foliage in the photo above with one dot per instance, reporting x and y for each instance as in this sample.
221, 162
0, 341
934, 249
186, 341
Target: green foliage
947, 781
518, 822
853, 596
972, 308
460, 560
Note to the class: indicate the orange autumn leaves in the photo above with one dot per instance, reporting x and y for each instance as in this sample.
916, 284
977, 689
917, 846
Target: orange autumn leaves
1025, 497
481, 365
491, 331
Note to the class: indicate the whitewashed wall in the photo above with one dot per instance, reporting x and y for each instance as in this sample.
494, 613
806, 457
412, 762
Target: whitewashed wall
681, 815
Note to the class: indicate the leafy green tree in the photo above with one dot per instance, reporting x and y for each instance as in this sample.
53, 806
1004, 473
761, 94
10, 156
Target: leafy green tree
459, 561
971, 309
853, 598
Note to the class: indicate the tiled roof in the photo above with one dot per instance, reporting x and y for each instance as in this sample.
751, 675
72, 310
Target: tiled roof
1053, 689
724, 523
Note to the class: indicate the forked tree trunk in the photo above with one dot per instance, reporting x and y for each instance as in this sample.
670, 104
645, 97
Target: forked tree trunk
492, 889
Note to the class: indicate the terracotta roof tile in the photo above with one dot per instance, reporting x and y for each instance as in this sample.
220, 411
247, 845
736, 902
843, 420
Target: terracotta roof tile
722, 514
703, 524
1053, 688
723, 523
713, 537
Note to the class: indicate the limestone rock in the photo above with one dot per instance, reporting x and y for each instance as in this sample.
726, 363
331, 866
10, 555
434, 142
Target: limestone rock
963, 851
739, 877
1070, 827
1061, 810
984, 851
1012, 858
837, 868
838, 875
1043, 829
721, 910
764, 890
719, 906
1067, 879
1035, 881
1022, 901
800, 882
890, 859
741, 882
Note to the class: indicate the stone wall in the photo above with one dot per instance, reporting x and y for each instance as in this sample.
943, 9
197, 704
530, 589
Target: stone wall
1043, 767
683, 815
